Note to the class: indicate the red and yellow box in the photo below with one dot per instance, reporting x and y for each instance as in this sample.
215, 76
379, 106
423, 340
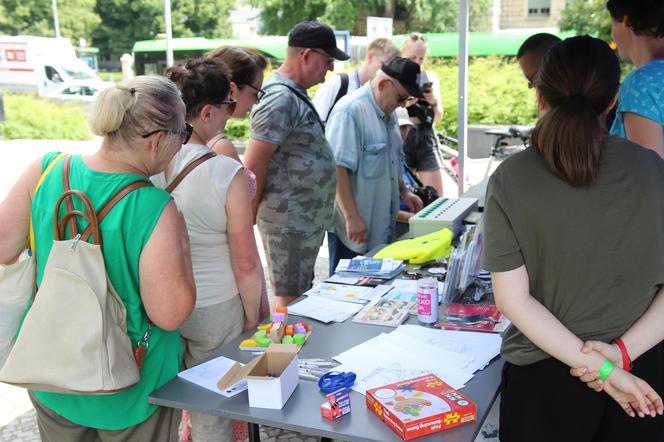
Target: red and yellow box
420, 406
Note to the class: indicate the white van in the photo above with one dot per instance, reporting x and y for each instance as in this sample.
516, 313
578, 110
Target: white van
40, 64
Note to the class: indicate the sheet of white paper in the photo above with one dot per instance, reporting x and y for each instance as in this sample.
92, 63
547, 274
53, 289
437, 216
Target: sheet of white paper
482, 347
324, 310
385, 363
435, 354
378, 291
405, 285
209, 373
341, 292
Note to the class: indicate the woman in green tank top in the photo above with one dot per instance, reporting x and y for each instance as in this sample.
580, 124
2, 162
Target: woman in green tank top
145, 249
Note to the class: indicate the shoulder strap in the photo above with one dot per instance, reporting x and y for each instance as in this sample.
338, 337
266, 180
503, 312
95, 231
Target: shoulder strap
302, 97
343, 90
413, 176
94, 218
191, 166
73, 228
47, 170
126, 190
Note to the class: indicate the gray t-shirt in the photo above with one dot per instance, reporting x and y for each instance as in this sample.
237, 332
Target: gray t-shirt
301, 179
594, 255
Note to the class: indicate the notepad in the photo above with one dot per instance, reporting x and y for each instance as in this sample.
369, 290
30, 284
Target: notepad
208, 373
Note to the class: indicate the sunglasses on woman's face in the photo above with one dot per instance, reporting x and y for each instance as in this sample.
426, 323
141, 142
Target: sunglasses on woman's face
185, 133
230, 103
260, 93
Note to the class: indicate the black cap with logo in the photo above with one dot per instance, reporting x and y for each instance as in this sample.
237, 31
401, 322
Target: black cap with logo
406, 72
314, 34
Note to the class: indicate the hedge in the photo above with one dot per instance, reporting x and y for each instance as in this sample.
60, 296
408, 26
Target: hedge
497, 94
31, 117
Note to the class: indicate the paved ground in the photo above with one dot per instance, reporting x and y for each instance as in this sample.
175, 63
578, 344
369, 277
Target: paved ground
17, 417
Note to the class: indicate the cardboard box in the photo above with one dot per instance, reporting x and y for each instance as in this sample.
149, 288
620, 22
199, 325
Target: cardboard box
271, 377
420, 406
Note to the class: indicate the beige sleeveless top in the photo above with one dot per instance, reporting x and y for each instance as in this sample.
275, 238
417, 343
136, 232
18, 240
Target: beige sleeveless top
201, 197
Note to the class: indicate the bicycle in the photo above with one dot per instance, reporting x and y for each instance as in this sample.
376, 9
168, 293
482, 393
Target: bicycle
501, 149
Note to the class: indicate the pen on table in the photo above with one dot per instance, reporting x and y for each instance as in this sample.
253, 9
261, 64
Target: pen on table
311, 372
308, 377
318, 364
312, 360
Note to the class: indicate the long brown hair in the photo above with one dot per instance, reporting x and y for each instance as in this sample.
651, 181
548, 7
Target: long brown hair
244, 63
578, 79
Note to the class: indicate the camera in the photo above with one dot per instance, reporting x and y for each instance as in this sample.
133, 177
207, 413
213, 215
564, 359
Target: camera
426, 87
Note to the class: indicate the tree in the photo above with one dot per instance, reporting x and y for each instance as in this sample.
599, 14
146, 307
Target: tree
587, 17
124, 23
76, 18
278, 16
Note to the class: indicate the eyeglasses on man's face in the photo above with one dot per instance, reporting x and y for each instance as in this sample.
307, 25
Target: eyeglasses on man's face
400, 98
260, 93
325, 55
185, 133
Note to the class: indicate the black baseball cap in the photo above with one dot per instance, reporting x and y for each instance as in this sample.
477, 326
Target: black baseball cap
406, 72
314, 34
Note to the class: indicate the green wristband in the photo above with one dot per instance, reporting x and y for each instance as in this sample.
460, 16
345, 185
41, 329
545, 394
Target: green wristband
605, 370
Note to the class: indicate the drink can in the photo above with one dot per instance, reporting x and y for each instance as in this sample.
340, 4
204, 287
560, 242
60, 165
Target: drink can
427, 300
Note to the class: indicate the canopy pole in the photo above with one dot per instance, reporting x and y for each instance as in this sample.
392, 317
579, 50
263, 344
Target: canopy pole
169, 33
462, 119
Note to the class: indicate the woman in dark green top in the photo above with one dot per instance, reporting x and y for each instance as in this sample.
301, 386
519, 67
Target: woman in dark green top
575, 243
145, 249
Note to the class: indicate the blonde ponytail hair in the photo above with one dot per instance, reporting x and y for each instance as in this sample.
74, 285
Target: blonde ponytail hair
137, 106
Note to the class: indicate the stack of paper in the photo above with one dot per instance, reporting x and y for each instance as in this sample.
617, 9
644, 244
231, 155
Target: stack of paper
342, 292
412, 351
386, 268
324, 310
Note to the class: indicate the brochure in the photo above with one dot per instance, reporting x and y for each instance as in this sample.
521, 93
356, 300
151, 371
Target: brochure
473, 317
390, 310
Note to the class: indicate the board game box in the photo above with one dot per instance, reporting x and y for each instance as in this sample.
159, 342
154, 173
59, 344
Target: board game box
420, 406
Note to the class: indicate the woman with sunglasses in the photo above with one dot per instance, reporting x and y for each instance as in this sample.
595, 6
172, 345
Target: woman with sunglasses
214, 199
246, 66
145, 248
420, 148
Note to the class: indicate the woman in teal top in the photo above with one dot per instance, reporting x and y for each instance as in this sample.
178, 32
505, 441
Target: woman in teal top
638, 30
145, 248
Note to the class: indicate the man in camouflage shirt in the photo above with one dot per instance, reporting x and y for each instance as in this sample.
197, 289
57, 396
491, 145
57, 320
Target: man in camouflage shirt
293, 163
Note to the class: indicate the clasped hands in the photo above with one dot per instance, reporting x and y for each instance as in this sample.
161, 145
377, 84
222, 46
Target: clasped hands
633, 394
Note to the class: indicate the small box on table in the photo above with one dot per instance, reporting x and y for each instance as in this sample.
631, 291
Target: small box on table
271, 377
337, 405
420, 406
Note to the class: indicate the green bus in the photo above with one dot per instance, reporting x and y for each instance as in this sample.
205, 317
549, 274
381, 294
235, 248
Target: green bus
150, 55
